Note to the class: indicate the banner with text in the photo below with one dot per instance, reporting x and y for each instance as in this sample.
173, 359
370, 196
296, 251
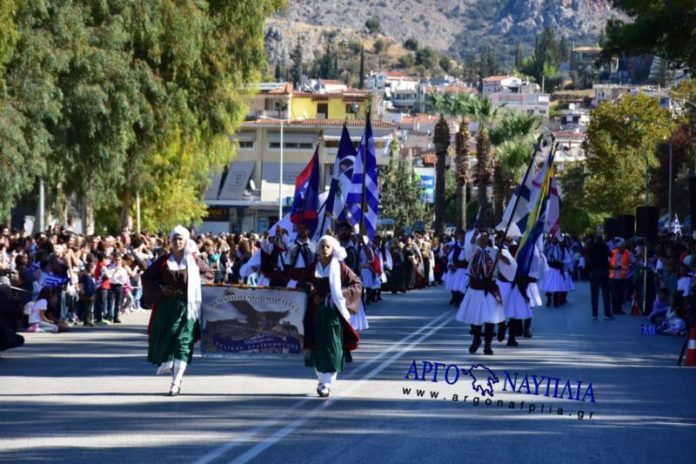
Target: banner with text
260, 322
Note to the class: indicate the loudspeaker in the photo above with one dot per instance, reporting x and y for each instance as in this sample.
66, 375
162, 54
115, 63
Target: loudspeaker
692, 201
626, 225
611, 227
646, 221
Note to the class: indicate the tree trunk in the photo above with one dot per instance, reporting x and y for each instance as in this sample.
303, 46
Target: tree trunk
87, 216
460, 220
483, 148
126, 221
441, 139
461, 159
499, 191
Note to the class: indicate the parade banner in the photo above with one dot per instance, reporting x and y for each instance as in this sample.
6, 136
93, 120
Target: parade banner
241, 322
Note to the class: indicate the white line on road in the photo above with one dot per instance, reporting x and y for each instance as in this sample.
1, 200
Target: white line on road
246, 437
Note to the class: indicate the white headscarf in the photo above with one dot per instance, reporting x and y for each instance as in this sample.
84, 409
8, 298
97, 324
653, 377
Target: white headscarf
194, 298
339, 254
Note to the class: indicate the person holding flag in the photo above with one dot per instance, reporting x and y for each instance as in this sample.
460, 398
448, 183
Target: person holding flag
482, 305
304, 214
457, 264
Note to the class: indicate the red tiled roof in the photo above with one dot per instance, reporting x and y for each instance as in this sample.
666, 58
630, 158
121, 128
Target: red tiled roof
281, 90
429, 158
323, 123
396, 74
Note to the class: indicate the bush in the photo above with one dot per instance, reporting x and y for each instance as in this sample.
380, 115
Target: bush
372, 25
411, 44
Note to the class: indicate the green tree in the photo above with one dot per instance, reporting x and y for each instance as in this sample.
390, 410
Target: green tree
513, 138
622, 139
411, 44
663, 28
379, 46
406, 61
401, 193
426, 57
361, 85
484, 113
296, 59
445, 64
518, 56
372, 25
441, 139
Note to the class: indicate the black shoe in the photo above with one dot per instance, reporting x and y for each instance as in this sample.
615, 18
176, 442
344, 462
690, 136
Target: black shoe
474, 346
487, 350
527, 334
117, 321
174, 391
512, 343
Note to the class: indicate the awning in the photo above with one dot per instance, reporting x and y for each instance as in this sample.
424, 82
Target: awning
230, 185
269, 180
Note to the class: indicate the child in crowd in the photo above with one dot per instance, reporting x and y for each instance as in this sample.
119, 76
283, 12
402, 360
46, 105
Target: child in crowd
660, 307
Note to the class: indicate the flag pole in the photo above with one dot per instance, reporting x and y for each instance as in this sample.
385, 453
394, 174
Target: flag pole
537, 148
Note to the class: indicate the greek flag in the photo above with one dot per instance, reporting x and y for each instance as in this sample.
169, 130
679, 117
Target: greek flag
362, 202
528, 192
342, 177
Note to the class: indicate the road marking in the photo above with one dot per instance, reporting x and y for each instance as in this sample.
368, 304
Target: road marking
246, 437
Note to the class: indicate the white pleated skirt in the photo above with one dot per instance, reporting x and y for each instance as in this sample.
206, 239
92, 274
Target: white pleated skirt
514, 304
569, 284
368, 279
359, 320
459, 280
479, 308
534, 295
554, 281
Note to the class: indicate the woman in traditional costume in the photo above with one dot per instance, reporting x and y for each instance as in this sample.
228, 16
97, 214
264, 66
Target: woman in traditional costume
173, 282
334, 293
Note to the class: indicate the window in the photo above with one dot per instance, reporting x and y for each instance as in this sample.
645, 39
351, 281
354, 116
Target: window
246, 144
322, 110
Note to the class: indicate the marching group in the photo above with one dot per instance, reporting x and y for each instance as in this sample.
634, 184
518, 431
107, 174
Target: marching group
61, 279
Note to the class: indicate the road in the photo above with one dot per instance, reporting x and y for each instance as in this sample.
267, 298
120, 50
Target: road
90, 396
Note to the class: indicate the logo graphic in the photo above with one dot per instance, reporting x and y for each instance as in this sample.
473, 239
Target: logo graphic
482, 379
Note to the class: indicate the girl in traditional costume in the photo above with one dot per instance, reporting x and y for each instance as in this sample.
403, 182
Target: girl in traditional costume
173, 283
334, 293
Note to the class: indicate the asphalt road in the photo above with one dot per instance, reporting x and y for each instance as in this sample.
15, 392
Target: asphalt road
90, 396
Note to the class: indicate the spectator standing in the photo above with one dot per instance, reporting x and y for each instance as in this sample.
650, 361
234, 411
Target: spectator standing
598, 255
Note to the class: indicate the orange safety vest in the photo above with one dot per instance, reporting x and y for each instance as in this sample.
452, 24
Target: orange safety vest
625, 264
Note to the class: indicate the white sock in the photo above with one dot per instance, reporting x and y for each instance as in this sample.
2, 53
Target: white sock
178, 372
165, 368
326, 378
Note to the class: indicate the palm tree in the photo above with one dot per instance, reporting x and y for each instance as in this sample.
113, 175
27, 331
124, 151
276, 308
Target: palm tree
461, 160
441, 139
485, 113
514, 140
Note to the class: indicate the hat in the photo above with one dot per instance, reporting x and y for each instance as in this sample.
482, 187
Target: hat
513, 231
619, 242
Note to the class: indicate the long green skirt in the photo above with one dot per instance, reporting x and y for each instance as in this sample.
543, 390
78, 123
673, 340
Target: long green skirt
172, 334
328, 354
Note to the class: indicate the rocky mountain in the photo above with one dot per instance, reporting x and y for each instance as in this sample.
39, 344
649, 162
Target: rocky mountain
460, 27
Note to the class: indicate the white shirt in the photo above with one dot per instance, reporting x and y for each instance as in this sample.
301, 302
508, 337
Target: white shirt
35, 315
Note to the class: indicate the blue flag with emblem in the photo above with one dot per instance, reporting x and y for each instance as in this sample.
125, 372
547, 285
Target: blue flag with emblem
362, 202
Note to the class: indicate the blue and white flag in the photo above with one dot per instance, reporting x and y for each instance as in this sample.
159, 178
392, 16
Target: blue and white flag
528, 192
342, 177
362, 203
